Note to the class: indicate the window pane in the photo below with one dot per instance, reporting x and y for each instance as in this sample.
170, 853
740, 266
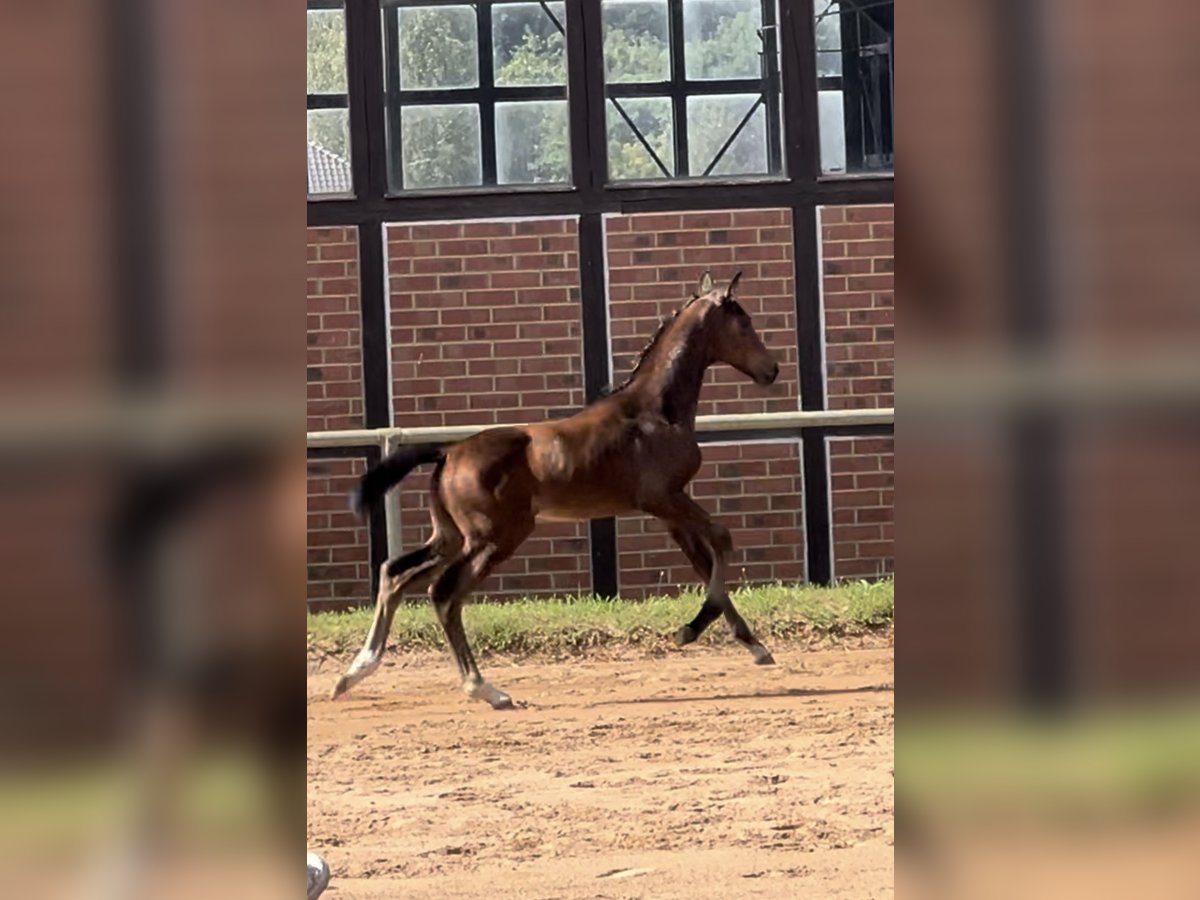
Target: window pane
833, 131
636, 45
528, 48
439, 48
856, 53
627, 157
829, 25
829, 39
721, 38
532, 143
329, 152
711, 120
441, 146
326, 51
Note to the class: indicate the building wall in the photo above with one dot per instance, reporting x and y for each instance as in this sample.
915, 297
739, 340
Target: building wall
339, 557
655, 262
858, 269
335, 392
862, 491
486, 328
338, 546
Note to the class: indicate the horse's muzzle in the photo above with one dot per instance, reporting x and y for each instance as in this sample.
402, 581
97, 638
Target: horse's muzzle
769, 376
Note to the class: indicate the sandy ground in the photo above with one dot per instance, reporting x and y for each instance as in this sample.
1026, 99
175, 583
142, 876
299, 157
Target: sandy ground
695, 775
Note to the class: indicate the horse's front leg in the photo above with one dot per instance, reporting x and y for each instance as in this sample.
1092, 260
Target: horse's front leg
709, 546
698, 554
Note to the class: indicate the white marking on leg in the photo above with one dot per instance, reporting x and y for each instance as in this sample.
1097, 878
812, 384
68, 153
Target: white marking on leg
366, 662
363, 665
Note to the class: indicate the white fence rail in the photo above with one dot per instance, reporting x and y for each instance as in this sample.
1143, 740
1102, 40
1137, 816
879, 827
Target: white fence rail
389, 439
783, 421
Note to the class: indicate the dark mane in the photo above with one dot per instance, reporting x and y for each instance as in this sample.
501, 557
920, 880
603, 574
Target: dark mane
650, 345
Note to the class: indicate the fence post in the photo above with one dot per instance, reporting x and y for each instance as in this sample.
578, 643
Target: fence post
391, 503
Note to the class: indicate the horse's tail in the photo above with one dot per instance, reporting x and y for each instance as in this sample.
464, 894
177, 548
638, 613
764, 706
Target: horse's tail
391, 471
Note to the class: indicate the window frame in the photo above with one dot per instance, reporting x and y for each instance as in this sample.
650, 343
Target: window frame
486, 95
678, 88
334, 100
850, 86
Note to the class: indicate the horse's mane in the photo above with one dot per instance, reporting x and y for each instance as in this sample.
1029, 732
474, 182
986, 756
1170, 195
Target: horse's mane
663, 325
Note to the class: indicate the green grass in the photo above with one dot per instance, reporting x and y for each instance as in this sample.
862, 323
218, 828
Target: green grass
565, 626
1088, 761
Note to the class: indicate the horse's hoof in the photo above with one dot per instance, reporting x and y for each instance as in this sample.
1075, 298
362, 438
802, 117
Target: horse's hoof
685, 636
503, 702
764, 659
340, 688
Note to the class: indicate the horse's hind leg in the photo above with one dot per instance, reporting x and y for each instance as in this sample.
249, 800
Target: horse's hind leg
448, 593
395, 575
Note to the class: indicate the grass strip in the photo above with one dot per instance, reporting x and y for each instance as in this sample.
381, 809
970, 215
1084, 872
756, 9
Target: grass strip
565, 626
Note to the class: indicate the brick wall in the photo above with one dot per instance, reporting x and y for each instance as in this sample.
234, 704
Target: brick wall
858, 254
335, 395
654, 264
338, 548
486, 330
862, 484
754, 491
339, 560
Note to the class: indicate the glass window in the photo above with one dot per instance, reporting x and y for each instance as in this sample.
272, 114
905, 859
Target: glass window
475, 95
329, 152
637, 44
441, 146
727, 135
641, 138
829, 41
439, 48
721, 39
692, 88
855, 69
528, 49
328, 105
532, 142
326, 51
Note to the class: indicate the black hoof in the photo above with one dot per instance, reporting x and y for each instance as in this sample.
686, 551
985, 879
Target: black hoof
765, 660
685, 635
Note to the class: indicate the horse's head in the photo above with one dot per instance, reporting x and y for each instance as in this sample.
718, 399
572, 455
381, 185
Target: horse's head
731, 334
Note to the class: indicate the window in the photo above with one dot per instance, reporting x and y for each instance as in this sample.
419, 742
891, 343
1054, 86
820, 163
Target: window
475, 95
855, 67
328, 103
692, 88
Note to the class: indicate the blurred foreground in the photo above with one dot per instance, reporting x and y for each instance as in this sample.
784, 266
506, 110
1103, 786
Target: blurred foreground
1049, 731
150, 351
151, 457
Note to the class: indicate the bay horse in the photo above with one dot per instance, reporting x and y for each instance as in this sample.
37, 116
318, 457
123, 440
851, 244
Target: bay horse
631, 451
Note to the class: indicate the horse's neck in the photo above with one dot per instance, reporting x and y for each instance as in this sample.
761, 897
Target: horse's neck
671, 383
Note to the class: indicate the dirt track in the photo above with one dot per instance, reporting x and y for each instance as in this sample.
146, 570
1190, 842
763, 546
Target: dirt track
696, 775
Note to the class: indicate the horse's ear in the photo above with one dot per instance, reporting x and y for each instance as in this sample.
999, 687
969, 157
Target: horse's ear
706, 284
731, 291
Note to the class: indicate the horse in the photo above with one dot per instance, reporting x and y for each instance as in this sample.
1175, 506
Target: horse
631, 451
